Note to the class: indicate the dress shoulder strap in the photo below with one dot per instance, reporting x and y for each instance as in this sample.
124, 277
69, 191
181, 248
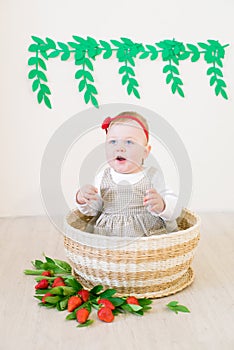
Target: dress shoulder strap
105, 176
106, 171
151, 172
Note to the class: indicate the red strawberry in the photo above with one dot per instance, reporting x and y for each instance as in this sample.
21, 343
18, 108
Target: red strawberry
73, 303
44, 296
105, 314
132, 300
107, 303
58, 282
43, 284
84, 294
82, 315
58, 279
46, 273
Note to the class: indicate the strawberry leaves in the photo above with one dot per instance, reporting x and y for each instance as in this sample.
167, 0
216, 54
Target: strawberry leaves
60, 297
87, 323
176, 307
56, 266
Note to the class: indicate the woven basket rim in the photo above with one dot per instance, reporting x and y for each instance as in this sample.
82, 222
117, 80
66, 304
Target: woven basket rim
132, 239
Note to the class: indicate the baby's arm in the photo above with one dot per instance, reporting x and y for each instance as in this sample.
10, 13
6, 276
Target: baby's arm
88, 198
161, 201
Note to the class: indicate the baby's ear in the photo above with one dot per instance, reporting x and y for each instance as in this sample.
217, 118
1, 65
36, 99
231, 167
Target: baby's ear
148, 149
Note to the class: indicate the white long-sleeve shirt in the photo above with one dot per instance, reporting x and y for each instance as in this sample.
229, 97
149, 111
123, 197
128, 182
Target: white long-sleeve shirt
169, 214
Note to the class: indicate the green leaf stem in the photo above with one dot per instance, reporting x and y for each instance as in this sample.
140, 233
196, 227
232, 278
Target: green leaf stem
107, 293
38, 76
173, 78
213, 54
95, 290
85, 76
126, 52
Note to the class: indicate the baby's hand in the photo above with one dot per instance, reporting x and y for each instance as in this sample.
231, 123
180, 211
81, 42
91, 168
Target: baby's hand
154, 201
86, 193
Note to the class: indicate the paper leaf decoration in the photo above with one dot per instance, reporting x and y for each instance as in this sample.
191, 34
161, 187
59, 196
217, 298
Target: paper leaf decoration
85, 51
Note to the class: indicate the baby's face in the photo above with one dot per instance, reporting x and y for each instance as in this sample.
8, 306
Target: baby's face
126, 147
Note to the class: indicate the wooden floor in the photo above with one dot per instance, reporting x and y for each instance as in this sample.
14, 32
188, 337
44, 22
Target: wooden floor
210, 325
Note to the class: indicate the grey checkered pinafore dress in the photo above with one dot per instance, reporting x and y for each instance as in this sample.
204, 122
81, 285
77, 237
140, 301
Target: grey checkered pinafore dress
123, 212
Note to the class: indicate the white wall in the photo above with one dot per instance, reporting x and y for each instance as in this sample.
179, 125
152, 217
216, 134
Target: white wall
204, 122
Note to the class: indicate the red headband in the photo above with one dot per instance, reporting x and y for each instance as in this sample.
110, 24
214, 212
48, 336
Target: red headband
108, 120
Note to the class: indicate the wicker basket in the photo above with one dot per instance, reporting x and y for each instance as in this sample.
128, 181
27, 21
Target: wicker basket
152, 267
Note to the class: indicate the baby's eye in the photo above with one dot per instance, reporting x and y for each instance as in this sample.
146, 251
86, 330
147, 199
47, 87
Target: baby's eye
129, 142
112, 142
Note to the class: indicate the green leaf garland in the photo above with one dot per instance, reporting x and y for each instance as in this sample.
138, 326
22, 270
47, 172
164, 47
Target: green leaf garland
85, 51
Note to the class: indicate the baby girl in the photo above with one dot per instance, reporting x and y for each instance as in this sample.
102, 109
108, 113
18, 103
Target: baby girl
127, 198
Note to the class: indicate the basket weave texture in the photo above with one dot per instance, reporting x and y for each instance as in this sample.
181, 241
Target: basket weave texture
151, 267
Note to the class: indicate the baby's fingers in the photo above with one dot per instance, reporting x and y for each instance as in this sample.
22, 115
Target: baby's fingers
90, 189
150, 196
151, 201
91, 197
151, 191
155, 208
89, 193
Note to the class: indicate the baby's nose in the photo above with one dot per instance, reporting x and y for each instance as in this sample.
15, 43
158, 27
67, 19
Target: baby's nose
120, 146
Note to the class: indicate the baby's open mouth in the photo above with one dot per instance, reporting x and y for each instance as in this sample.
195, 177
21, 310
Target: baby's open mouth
120, 159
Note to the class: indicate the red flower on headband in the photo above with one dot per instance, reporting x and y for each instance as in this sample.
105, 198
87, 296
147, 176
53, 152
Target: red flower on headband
108, 120
106, 123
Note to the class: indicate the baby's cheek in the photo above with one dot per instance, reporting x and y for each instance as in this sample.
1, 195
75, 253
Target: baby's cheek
109, 155
135, 156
